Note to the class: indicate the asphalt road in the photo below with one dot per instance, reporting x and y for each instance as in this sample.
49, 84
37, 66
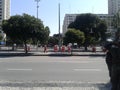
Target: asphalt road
46, 68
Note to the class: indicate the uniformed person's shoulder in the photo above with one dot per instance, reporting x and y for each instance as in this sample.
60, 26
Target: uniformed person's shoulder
114, 46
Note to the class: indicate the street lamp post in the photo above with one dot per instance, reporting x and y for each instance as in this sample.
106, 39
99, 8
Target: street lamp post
37, 19
37, 6
59, 26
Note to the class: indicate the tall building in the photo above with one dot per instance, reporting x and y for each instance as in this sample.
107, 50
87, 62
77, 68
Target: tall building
69, 18
4, 13
4, 9
113, 6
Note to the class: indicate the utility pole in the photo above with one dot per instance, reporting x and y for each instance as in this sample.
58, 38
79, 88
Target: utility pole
59, 26
37, 19
37, 6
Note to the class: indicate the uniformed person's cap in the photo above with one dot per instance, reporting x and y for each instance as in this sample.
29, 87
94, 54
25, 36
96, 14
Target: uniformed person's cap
108, 43
109, 40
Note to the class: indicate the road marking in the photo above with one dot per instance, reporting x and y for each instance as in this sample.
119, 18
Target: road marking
68, 62
19, 69
98, 70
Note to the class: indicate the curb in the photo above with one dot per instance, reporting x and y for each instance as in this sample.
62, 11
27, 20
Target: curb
49, 54
51, 85
43, 83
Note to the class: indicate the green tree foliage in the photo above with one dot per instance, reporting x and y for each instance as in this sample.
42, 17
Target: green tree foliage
74, 36
41, 36
46, 33
1, 37
101, 31
54, 40
24, 28
92, 27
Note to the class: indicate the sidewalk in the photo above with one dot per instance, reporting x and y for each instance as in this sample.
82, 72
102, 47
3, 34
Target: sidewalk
36, 53
52, 85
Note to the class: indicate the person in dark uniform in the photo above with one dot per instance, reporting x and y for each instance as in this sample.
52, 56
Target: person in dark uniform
113, 61
115, 73
109, 62
115, 55
108, 56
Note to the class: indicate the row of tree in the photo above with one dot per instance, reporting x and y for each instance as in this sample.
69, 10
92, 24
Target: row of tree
25, 28
87, 29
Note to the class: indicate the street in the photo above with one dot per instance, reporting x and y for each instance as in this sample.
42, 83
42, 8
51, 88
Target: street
51, 68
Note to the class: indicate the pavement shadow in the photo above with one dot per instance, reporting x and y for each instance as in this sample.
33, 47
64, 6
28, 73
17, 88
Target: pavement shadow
10, 55
96, 56
58, 85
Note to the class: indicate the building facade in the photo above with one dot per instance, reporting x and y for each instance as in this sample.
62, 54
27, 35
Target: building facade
71, 18
113, 6
4, 9
4, 13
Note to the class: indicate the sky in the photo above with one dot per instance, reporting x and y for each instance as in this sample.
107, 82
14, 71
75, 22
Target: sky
48, 10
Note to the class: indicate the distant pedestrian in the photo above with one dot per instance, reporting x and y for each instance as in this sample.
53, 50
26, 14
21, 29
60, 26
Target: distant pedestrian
55, 48
69, 48
63, 48
45, 48
94, 49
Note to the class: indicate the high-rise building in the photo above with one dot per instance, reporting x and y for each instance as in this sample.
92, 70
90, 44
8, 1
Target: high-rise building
113, 6
69, 18
4, 13
4, 9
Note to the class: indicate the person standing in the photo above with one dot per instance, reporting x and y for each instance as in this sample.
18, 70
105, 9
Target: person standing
45, 48
115, 53
108, 59
109, 62
115, 73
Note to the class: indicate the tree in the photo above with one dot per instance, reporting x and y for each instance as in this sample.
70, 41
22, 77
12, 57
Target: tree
101, 31
89, 24
41, 36
54, 40
1, 37
74, 36
46, 34
23, 28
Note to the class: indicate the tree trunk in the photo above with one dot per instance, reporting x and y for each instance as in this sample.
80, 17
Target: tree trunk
37, 45
86, 48
26, 51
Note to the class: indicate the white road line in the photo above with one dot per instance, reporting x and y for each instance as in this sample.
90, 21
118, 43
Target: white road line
98, 70
80, 62
71, 61
19, 69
